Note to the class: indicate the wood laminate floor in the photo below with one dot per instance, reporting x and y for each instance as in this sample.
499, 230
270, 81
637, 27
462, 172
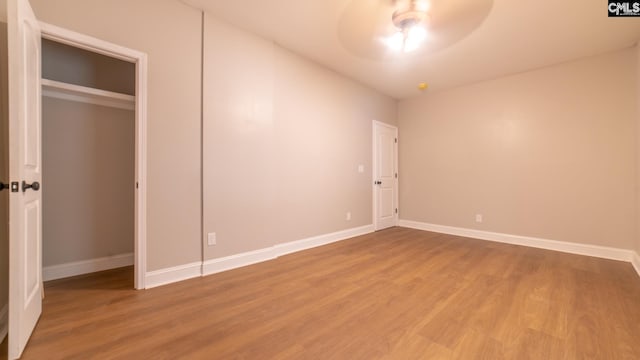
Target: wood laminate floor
395, 294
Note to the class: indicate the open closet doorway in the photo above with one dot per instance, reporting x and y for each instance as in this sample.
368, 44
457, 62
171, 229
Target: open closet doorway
93, 156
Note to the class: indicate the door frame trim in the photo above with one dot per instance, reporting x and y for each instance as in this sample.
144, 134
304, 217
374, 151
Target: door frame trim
102, 47
374, 170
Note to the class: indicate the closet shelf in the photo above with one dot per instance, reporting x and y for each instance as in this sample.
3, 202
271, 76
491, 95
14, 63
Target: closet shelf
71, 92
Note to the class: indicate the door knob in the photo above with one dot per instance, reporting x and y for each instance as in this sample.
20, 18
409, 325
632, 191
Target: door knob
3, 186
378, 182
35, 186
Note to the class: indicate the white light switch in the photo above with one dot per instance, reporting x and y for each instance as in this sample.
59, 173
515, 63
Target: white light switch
211, 239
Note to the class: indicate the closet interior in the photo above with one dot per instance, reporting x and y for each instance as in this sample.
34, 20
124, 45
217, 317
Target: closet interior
88, 164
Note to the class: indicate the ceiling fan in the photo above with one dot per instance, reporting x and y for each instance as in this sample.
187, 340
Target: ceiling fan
384, 29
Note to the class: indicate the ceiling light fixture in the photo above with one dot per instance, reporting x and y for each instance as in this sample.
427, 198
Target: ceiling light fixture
409, 21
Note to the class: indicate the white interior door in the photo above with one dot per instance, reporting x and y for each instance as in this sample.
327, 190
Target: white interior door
25, 201
385, 175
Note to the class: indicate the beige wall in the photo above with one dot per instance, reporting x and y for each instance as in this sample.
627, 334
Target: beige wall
170, 33
283, 138
548, 153
88, 168
4, 170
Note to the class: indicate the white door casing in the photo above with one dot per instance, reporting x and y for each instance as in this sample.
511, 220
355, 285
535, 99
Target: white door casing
385, 175
25, 205
102, 47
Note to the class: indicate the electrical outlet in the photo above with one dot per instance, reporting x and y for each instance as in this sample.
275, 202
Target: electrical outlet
478, 218
360, 168
348, 217
211, 239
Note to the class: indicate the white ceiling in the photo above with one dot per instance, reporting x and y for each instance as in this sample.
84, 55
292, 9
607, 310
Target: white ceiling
515, 36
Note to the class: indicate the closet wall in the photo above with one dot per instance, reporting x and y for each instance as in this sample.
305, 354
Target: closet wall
80, 67
88, 160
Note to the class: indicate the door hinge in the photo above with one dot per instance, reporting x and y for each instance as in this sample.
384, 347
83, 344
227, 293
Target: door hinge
396, 210
396, 140
396, 175
136, 184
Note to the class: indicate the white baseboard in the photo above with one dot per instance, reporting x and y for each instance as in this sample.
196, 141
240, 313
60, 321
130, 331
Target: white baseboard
196, 269
315, 241
86, 266
572, 248
252, 257
4, 322
635, 261
239, 260
208, 267
173, 274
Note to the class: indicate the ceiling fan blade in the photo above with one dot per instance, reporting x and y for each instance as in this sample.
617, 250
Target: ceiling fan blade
365, 25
